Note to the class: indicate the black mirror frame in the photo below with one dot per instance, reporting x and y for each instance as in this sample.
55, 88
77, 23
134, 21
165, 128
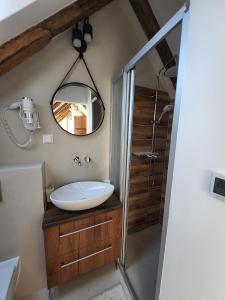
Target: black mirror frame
80, 84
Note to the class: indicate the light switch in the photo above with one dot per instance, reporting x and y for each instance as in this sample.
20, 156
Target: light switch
217, 188
47, 138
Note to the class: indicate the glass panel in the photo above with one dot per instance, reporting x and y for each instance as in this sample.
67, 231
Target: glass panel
151, 129
115, 132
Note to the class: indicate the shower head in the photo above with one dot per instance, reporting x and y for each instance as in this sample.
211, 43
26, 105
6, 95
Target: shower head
167, 108
171, 72
168, 70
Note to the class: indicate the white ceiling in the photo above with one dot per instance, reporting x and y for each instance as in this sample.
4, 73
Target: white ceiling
10, 7
18, 15
163, 11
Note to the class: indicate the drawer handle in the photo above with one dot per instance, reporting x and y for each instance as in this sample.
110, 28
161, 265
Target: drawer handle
88, 256
80, 230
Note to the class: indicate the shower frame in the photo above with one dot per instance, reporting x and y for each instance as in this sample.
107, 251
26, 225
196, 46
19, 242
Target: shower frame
128, 77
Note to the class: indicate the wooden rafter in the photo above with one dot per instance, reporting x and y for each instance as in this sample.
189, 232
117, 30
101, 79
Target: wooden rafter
61, 104
64, 111
56, 111
150, 26
56, 105
63, 116
18, 49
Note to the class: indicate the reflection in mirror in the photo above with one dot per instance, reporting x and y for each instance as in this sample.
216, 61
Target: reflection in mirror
77, 108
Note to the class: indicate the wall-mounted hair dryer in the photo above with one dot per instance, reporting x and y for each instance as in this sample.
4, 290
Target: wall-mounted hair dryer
28, 116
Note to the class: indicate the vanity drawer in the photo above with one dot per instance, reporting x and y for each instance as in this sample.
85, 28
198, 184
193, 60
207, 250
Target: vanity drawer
65, 267
93, 257
69, 237
57, 274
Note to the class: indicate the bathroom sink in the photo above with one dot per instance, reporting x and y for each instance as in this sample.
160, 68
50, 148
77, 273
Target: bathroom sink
81, 195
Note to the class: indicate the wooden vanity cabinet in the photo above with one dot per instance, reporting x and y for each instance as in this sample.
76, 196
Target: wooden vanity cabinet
86, 241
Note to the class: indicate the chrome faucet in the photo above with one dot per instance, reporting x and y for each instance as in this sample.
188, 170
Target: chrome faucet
87, 159
77, 161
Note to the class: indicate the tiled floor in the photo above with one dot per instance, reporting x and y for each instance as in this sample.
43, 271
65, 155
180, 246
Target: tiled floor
87, 286
142, 261
116, 293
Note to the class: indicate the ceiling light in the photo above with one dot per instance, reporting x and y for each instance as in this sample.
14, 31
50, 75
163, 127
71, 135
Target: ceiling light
77, 37
87, 31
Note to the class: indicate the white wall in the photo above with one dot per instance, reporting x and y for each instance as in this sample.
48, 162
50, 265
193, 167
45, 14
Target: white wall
194, 266
38, 77
21, 212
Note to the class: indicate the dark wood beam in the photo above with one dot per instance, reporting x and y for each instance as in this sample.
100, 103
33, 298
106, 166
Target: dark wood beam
58, 110
55, 105
150, 26
18, 49
62, 113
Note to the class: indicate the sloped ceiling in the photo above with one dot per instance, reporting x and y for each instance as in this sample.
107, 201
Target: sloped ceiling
35, 38
17, 16
163, 11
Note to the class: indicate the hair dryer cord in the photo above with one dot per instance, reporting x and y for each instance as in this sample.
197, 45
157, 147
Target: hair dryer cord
9, 132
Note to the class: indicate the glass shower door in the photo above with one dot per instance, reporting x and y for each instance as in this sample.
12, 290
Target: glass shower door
115, 133
120, 150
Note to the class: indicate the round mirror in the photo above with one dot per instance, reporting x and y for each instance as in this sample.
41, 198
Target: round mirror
77, 108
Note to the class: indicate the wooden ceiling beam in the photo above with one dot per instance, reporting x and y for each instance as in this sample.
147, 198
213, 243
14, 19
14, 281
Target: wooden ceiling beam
66, 108
56, 105
18, 49
150, 26
59, 109
60, 116
63, 116
56, 109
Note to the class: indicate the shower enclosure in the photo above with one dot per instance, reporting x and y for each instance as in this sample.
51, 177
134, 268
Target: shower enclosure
125, 155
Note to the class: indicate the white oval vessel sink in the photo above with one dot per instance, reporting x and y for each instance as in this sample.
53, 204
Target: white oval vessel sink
81, 195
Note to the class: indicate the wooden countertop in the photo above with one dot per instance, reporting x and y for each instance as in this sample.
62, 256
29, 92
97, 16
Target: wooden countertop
54, 216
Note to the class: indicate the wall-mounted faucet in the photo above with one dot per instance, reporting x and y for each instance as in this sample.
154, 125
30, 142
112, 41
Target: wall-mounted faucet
87, 159
77, 161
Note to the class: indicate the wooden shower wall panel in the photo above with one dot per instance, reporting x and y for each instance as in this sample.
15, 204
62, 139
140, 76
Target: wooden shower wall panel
146, 177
